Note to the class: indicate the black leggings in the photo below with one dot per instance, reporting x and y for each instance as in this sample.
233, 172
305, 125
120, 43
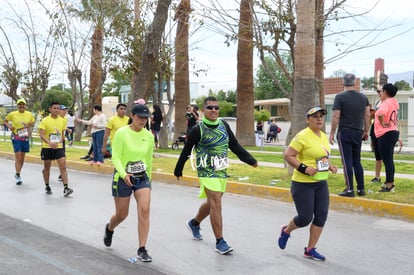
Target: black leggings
386, 145
311, 201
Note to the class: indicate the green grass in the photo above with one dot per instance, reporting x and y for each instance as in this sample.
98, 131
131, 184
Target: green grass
269, 176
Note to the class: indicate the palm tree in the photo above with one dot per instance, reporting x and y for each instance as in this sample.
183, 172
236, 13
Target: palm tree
182, 81
99, 13
305, 92
245, 89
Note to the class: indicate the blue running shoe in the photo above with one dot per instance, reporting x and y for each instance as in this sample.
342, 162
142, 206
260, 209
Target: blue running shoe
283, 238
195, 230
313, 254
223, 248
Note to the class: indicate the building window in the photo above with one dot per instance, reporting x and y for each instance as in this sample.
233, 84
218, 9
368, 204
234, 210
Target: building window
403, 112
273, 110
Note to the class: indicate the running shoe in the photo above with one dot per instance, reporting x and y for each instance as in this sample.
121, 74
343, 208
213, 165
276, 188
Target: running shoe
85, 157
60, 178
48, 190
223, 248
376, 180
313, 254
108, 236
18, 179
195, 230
386, 189
283, 238
67, 191
143, 255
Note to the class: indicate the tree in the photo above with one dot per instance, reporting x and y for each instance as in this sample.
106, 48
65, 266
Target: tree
39, 54
245, 90
72, 38
368, 83
402, 85
305, 92
182, 77
265, 86
10, 76
144, 84
99, 13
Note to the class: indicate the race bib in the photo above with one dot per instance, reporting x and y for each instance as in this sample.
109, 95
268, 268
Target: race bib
323, 169
322, 164
135, 167
57, 138
219, 162
23, 132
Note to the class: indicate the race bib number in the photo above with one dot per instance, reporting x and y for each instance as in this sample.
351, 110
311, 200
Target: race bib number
23, 132
322, 164
220, 162
55, 138
135, 168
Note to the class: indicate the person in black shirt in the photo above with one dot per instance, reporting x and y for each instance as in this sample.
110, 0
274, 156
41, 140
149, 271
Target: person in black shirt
191, 117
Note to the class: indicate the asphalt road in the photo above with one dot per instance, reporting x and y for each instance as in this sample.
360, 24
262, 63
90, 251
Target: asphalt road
42, 234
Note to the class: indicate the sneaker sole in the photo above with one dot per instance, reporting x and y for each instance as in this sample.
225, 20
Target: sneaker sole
313, 258
68, 193
224, 252
191, 231
144, 260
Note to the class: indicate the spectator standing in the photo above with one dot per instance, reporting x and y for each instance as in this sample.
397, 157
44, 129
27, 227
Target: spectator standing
70, 124
133, 170
156, 120
98, 122
211, 140
374, 142
20, 122
52, 130
309, 152
351, 117
259, 127
386, 131
191, 117
114, 123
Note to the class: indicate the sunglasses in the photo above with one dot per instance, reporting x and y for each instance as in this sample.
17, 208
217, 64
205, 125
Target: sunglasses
213, 107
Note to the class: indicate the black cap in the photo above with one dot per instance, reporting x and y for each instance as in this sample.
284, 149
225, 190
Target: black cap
141, 110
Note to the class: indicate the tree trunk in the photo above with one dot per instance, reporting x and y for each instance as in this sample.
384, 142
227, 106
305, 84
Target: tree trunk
245, 91
96, 72
305, 89
319, 58
137, 18
144, 84
182, 81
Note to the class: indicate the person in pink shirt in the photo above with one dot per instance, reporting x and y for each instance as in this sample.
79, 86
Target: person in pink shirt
386, 131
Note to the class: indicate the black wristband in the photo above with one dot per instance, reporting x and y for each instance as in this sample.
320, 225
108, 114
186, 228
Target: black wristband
302, 168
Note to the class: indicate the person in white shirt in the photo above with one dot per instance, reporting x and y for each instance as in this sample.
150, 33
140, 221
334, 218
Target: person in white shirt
98, 122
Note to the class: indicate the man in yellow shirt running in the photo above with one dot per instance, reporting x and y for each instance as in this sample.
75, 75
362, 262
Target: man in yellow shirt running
52, 130
20, 123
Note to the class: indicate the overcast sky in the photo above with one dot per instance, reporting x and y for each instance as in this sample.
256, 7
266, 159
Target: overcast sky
393, 45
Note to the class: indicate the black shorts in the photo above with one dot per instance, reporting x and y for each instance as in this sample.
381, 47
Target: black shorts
121, 189
52, 154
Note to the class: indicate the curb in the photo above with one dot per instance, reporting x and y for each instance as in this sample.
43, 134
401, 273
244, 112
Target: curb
354, 205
